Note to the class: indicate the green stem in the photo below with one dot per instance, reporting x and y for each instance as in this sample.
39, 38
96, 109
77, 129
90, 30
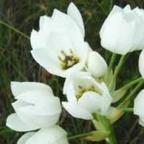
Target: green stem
130, 96
127, 109
14, 29
79, 136
129, 85
113, 57
117, 70
107, 126
111, 139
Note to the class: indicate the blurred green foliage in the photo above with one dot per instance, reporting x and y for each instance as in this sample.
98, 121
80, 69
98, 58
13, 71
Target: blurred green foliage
17, 64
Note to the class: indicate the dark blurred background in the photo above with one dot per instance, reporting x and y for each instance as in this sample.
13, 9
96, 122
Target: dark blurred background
17, 64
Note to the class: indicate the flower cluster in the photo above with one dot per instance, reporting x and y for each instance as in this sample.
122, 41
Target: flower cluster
59, 46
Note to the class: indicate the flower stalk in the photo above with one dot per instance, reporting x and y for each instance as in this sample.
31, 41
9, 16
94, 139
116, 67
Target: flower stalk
105, 125
117, 70
132, 93
113, 57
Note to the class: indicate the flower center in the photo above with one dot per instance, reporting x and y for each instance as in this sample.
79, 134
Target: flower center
81, 90
67, 60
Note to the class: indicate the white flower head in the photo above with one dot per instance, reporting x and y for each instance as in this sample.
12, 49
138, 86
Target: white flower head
52, 135
59, 44
139, 107
35, 107
141, 63
96, 64
85, 96
122, 31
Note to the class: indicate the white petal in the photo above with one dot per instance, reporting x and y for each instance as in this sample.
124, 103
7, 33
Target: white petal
72, 30
16, 124
97, 66
22, 87
141, 121
76, 111
42, 114
115, 10
127, 8
93, 102
139, 104
45, 22
67, 22
75, 14
90, 101
25, 137
52, 135
88, 47
37, 40
69, 90
141, 63
51, 65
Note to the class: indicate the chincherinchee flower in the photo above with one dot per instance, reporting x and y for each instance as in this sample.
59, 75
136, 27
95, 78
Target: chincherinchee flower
52, 135
35, 107
139, 107
122, 31
86, 96
59, 44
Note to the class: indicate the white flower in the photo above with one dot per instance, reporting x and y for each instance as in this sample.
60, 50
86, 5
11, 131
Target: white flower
52, 135
59, 44
139, 107
35, 107
141, 63
85, 96
122, 31
96, 64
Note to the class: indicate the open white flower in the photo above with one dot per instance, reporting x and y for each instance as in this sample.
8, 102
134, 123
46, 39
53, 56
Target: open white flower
139, 107
141, 63
35, 107
86, 96
122, 31
96, 64
59, 44
52, 135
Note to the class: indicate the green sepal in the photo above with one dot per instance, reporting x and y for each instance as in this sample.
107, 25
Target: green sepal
118, 94
97, 136
108, 79
115, 114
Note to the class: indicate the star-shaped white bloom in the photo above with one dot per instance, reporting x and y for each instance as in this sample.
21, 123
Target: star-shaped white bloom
59, 44
122, 31
86, 96
35, 107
